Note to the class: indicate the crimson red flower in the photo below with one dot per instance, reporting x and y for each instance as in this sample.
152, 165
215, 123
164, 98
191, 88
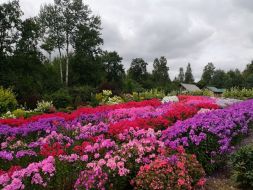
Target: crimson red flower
84, 110
13, 169
55, 149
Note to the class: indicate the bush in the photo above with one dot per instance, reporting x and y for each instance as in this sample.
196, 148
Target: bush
81, 94
106, 98
239, 93
179, 171
19, 113
200, 93
60, 98
130, 86
148, 94
44, 106
242, 166
8, 100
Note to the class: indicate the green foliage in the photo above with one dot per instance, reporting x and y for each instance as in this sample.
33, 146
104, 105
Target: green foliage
8, 100
200, 93
148, 94
113, 67
181, 75
238, 93
242, 166
218, 78
10, 16
188, 74
81, 94
209, 145
128, 97
130, 86
207, 93
60, 98
8, 115
138, 70
208, 73
160, 72
106, 98
44, 106
19, 113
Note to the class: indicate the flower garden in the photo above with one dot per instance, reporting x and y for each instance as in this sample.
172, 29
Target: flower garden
147, 145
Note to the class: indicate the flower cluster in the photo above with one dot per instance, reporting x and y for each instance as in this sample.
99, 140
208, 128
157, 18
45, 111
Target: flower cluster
119, 145
216, 131
178, 171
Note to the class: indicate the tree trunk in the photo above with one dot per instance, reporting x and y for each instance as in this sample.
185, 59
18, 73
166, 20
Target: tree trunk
67, 63
60, 65
50, 58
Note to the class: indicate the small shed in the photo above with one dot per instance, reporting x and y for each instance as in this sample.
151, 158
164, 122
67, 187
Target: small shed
189, 87
215, 91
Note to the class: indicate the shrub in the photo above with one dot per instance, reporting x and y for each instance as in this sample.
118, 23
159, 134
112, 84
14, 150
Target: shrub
242, 166
19, 113
178, 171
44, 106
127, 97
81, 94
8, 115
238, 93
61, 98
200, 93
150, 94
8, 100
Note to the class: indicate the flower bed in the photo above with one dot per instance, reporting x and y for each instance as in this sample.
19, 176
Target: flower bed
211, 135
119, 146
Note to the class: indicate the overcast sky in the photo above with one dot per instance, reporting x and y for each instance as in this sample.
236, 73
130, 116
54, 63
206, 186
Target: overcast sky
195, 31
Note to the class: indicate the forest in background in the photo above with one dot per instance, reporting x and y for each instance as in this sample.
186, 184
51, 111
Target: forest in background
58, 54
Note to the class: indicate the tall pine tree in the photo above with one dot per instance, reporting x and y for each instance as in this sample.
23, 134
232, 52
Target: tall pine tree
188, 74
208, 74
160, 72
181, 76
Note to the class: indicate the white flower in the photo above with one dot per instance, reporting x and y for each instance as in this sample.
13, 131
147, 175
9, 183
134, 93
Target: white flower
167, 99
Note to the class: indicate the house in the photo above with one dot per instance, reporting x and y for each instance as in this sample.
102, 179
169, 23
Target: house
215, 91
188, 87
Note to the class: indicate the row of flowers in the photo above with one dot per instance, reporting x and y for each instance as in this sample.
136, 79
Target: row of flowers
109, 147
100, 163
211, 135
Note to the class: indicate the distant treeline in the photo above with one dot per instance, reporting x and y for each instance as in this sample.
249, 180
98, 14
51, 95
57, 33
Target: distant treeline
68, 29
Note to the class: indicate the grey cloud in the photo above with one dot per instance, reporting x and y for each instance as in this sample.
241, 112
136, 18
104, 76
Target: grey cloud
196, 31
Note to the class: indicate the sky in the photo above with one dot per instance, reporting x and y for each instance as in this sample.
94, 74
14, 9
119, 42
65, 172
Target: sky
195, 31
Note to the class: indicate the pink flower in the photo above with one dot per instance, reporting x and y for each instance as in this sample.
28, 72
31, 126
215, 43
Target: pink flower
85, 158
37, 179
201, 182
111, 164
16, 184
181, 182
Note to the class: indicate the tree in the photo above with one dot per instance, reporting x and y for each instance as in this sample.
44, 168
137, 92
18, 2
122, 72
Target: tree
249, 70
10, 23
30, 32
138, 70
188, 74
248, 75
48, 45
234, 79
219, 79
181, 76
86, 41
208, 73
114, 70
160, 71
52, 26
73, 25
